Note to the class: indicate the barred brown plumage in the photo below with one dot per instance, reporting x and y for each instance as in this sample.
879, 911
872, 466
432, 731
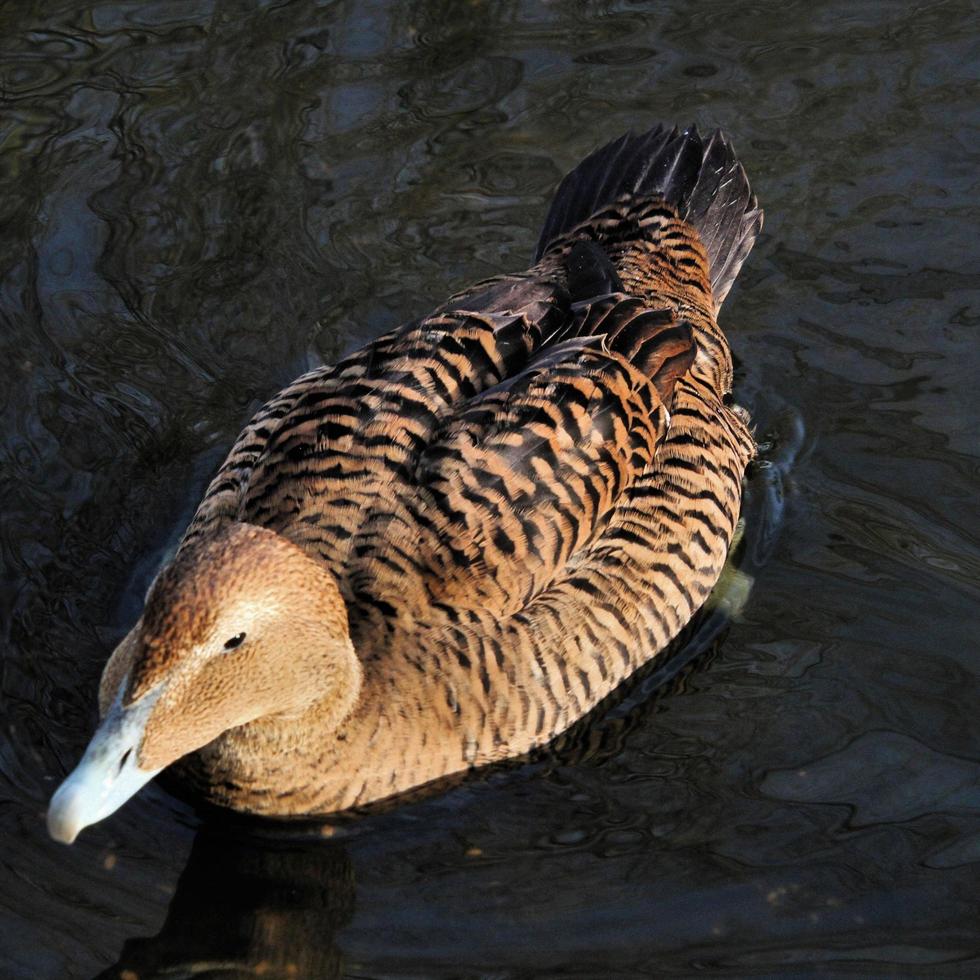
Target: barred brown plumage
446, 548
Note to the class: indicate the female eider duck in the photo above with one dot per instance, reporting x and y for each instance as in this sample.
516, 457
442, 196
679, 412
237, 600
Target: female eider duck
443, 550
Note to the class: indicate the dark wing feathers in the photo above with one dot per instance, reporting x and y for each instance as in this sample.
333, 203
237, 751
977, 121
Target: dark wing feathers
590, 272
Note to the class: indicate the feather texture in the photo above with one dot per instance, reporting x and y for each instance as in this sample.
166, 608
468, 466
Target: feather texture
522, 497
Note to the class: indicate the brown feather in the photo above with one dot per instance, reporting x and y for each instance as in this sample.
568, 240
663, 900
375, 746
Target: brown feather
521, 498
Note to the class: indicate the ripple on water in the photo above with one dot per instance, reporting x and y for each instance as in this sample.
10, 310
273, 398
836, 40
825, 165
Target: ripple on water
198, 201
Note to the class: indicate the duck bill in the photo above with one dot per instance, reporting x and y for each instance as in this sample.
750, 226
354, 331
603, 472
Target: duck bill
108, 774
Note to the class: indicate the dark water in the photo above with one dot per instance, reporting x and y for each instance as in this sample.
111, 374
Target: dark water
201, 199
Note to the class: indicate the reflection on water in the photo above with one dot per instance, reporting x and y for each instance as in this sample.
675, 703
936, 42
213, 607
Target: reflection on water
248, 907
200, 199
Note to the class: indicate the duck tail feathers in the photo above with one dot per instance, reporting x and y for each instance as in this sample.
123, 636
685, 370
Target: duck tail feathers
700, 177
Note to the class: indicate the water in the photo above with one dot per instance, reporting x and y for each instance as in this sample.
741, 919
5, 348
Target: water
201, 199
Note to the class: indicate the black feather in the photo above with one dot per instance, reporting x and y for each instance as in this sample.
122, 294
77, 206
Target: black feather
590, 272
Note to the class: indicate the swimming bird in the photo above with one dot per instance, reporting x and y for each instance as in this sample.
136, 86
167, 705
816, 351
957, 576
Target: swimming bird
444, 549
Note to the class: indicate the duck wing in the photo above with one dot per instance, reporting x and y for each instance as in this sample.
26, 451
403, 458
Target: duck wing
517, 484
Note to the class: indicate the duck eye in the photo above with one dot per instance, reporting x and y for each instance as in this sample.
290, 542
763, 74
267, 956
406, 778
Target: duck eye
235, 641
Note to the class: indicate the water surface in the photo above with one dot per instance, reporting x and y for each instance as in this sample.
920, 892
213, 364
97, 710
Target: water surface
200, 200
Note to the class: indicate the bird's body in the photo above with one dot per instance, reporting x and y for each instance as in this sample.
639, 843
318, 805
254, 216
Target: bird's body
519, 499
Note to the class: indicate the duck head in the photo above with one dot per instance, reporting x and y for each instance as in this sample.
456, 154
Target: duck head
241, 626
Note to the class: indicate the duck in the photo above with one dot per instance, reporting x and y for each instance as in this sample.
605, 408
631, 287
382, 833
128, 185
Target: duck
448, 547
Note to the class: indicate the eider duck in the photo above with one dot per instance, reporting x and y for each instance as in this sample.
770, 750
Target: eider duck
443, 550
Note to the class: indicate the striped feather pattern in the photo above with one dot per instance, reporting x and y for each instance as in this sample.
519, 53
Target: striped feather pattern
523, 497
